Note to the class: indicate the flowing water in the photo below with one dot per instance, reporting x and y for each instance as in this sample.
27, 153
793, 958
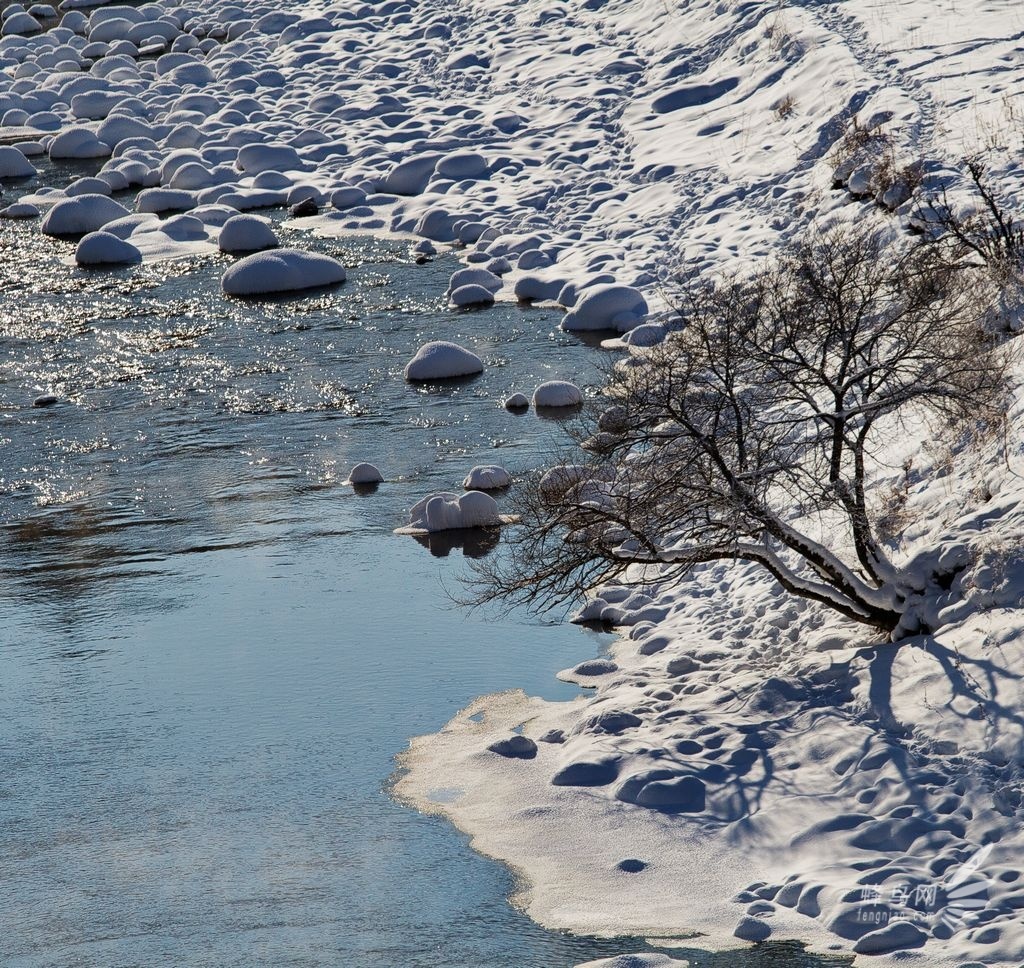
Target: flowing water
212, 649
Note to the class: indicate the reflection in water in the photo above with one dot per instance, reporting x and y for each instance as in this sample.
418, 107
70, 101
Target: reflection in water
472, 542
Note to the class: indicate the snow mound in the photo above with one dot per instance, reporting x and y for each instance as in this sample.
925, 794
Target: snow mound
474, 277
78, 144
607, 307
20, 210
472, 295
253, 159
106, 249
460, 165
557, 393
487, 477
284, 270
410, 177
446, 511
441, 360
13, 164
247, 233
81, 215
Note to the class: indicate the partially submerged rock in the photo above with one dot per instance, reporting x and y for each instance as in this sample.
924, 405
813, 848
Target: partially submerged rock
442, 360
446, 511
282, 270
487, 477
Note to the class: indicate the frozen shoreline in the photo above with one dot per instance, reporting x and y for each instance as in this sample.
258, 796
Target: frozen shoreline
612, 142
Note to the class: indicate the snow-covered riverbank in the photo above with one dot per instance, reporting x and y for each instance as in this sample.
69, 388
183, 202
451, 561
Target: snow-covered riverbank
570, 145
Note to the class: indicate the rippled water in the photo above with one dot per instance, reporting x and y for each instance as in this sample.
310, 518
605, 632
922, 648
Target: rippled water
212, 649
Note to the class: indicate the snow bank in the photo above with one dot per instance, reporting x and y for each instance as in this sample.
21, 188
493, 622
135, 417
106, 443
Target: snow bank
285, 270
441, 360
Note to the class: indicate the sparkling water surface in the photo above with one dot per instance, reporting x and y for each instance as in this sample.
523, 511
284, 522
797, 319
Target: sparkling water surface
213, 649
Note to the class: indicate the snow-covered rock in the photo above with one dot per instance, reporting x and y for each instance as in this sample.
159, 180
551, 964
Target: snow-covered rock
20, 210
446, 511
246, 233
607, 307
557, 393
442, 360
282, 270
105, 249
487, 477
13, 164
82, 214
472, 295
365, 474
78, 144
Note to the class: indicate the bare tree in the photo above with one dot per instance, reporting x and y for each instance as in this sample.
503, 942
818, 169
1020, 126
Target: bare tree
750, 434
987, 231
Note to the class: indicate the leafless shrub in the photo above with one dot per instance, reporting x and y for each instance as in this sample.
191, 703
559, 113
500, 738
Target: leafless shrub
783, 108
987, 230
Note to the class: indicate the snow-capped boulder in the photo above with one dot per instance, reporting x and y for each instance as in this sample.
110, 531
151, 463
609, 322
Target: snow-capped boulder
282, 270
557, 393
22, 24
81, 215
365, 474
474, 277
535, 288
87, 186
487, 477
78, 143
106, 249
253, 159
607, 307
247, 233
517, 401
613, 420
441, 360
534, 259
646, 334
348, 197
472, 295
460, 165
20, 210
515, 747
13, 164
411, 176
448, 512
157, 200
